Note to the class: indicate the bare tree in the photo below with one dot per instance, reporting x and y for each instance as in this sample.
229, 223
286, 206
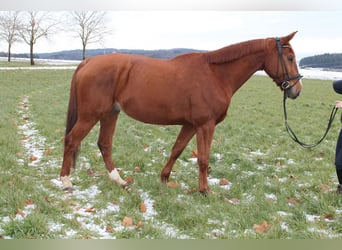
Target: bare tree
38, 25
9, 29
90, 27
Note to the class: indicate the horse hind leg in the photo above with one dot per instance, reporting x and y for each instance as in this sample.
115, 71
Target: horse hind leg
107, 129
72, 142
184, 136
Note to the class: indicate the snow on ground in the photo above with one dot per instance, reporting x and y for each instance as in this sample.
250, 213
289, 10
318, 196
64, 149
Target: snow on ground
43, 64
43, 61
33, 143
314, 73
320, 74
169, 230
90, 218
39, 68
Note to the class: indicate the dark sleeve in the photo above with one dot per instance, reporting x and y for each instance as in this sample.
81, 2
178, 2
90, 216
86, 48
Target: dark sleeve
337, 85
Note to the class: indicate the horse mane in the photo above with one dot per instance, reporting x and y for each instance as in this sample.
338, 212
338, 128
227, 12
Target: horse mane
235, 51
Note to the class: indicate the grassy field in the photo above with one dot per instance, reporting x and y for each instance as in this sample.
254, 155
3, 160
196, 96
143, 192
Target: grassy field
275, 190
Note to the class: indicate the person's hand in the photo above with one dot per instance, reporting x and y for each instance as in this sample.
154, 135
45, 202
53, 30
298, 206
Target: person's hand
338, 104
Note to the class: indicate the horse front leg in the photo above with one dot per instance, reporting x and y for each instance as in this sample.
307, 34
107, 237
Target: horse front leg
107, 129
183, 138
204, 139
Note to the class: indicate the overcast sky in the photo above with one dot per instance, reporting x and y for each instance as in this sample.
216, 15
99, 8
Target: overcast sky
319, 31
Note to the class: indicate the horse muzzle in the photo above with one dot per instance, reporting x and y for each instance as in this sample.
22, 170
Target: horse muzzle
291, 86
294, 90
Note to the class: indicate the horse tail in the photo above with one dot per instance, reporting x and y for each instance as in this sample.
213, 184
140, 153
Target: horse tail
72, 112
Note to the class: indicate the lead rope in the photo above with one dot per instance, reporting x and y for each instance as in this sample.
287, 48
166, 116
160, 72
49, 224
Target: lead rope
293, 135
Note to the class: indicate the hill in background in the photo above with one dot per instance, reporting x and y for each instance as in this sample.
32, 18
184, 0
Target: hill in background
325, 61
77, 54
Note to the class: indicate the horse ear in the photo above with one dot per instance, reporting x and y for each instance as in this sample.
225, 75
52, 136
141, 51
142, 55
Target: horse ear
288, 38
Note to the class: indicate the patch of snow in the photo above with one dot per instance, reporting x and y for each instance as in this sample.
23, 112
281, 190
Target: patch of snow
283, 214
262, 167
149, 203
32, 141
282, 180
312, 218
183, 163
216, 181
193, 160
148, 149
57, 182
55, 227
248, 173
257, 153
27, 210
234, 166
312, 73
218, 156
284, 226
218, 232
170, 231
249, 197
88, 194
290, 161
271, 196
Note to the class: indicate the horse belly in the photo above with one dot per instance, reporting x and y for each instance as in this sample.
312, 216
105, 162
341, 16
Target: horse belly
154, 111
165, 110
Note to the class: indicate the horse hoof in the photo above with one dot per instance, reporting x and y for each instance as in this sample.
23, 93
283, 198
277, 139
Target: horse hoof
126, 187
68, 190
164, 179
205, 192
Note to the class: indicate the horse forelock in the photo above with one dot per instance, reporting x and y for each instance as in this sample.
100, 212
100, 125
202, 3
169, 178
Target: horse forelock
236, 51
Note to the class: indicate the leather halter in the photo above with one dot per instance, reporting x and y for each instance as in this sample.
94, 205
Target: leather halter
285, 83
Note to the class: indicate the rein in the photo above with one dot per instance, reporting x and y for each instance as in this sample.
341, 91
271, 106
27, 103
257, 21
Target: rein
286, 86
294, 136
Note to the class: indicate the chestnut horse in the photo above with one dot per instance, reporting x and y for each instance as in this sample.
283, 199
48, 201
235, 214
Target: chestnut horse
193, 90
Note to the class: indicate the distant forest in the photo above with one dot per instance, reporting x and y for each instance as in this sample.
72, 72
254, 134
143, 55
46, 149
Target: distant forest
77, 54
326, 61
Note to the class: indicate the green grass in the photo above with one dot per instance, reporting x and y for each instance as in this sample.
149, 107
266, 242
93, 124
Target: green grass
296, 197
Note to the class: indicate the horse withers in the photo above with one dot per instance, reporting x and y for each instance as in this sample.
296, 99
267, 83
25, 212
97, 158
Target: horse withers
192, 90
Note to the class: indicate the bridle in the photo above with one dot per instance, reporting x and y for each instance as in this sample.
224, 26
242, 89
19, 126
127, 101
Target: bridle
285, 85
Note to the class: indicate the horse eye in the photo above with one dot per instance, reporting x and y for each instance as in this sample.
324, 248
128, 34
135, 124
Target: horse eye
290, 58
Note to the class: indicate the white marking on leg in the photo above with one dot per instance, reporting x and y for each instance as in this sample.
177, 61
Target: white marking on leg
66, 182
114, 176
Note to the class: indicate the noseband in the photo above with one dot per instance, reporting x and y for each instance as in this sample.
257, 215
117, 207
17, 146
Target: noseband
285, 83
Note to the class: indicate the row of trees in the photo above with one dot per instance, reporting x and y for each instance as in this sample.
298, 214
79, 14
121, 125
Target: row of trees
332, 61
30, 26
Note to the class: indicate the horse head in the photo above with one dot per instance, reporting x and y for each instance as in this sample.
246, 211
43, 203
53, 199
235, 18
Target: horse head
281, 66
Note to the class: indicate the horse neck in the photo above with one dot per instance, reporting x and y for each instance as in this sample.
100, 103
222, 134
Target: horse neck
235, 73
236, 63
